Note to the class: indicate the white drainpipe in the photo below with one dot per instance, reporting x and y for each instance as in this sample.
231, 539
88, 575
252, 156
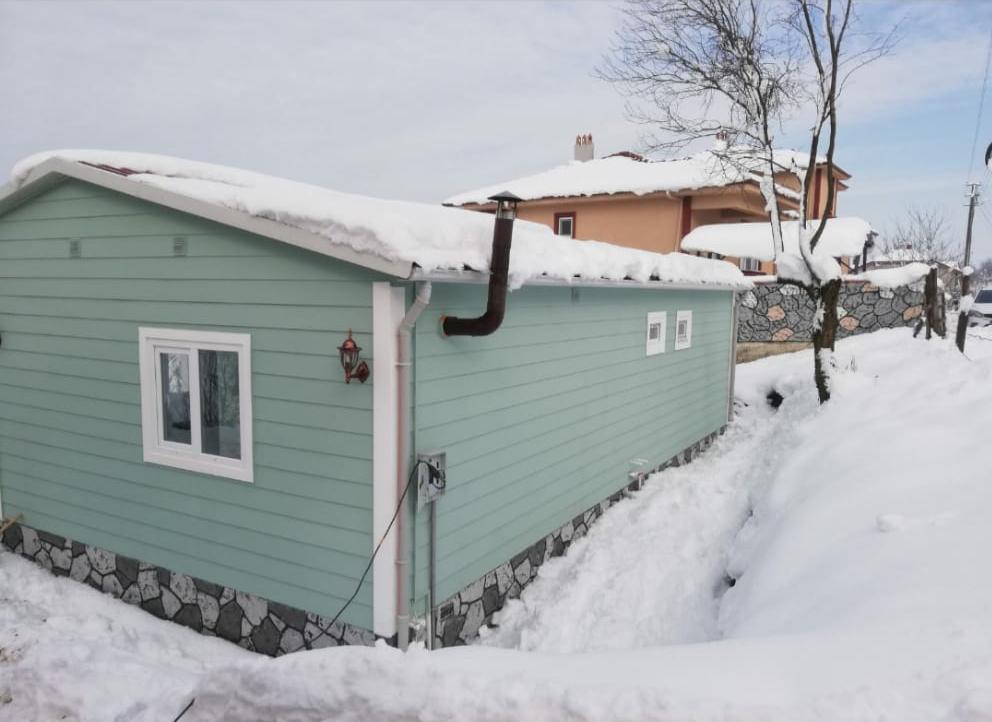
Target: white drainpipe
403, 363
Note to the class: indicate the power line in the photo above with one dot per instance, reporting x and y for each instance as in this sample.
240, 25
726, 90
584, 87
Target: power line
981, 109
985, 214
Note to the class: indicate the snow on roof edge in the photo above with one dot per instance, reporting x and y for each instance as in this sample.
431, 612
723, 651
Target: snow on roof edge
433, 238
844, 236
893, 277
618, 173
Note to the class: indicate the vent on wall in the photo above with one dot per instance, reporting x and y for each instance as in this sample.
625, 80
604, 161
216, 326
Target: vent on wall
179, 246
75, 248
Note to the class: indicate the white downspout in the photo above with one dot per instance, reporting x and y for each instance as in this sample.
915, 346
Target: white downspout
404, 361
734, 327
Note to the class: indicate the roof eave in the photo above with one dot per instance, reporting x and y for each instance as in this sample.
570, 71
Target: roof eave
54, 171
628, 195
479, 277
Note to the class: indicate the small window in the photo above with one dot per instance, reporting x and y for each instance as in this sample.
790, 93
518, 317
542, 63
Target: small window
657, 322
683, 330
751, 265
196, 401
565, 224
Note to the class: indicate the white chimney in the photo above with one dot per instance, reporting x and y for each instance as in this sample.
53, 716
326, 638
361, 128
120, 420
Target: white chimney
583, 147
721, 141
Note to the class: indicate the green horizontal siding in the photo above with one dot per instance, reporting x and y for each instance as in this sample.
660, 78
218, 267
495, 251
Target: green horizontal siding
541, 420
70, 407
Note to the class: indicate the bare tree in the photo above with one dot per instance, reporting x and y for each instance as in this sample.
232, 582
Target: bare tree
983, 273
705, 68
922, 235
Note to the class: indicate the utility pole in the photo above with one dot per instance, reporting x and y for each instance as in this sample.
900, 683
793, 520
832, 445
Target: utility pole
962, 331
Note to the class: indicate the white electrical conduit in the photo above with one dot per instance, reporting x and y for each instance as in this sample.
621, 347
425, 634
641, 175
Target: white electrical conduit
404, 336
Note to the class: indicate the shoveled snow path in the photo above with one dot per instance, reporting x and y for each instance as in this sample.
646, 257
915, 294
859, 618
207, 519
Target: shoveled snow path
652, 570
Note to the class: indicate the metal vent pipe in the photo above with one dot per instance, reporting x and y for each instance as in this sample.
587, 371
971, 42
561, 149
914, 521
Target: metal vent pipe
499, 269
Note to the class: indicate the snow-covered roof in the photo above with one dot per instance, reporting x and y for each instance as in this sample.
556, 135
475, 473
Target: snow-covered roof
906, 254
841, 237
626, 174
400, 237
894, 277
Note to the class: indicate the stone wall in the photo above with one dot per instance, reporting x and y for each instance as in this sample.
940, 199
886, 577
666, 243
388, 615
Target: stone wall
249, 621
779, 312
457, 620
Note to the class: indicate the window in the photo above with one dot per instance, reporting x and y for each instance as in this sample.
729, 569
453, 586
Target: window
565, 224
683, 330
750, 265
196, 401
657, 322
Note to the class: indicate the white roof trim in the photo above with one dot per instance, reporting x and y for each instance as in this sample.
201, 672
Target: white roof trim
55, 170
480, 277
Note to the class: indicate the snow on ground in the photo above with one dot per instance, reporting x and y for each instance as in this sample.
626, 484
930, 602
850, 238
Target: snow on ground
857, 534
69, 652
601, 596
432, 237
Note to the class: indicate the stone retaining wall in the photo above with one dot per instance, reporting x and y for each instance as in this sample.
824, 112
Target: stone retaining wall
779, 312
249, 621
457, 620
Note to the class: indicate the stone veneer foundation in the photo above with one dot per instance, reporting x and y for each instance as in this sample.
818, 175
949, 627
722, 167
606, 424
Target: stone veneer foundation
457, 619
275, 629
249, 621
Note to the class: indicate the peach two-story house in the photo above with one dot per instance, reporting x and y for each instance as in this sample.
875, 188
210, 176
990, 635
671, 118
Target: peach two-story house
630, 200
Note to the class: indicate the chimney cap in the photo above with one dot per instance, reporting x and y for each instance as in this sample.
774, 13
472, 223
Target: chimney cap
583, 147
505, 196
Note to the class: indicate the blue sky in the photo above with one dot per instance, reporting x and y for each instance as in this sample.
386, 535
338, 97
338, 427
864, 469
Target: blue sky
421, 101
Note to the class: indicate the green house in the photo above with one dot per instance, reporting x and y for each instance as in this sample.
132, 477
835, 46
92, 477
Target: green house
177, 426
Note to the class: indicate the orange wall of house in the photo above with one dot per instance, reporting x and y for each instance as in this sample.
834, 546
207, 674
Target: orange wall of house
816, 206
649, 223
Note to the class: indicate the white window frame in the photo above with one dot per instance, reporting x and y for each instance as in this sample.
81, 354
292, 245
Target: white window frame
655, 346
570, 217
182, 456
686, 342
752, 265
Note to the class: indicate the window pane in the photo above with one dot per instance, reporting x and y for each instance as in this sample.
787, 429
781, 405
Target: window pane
175, 397
220, 404
565, 226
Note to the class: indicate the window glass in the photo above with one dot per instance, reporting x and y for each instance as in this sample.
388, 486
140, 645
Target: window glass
175, 397
220, 403
683, 330
655, 340
565, 226
984, 297
196, 401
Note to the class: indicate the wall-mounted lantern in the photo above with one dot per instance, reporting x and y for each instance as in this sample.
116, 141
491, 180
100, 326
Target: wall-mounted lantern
354, 367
